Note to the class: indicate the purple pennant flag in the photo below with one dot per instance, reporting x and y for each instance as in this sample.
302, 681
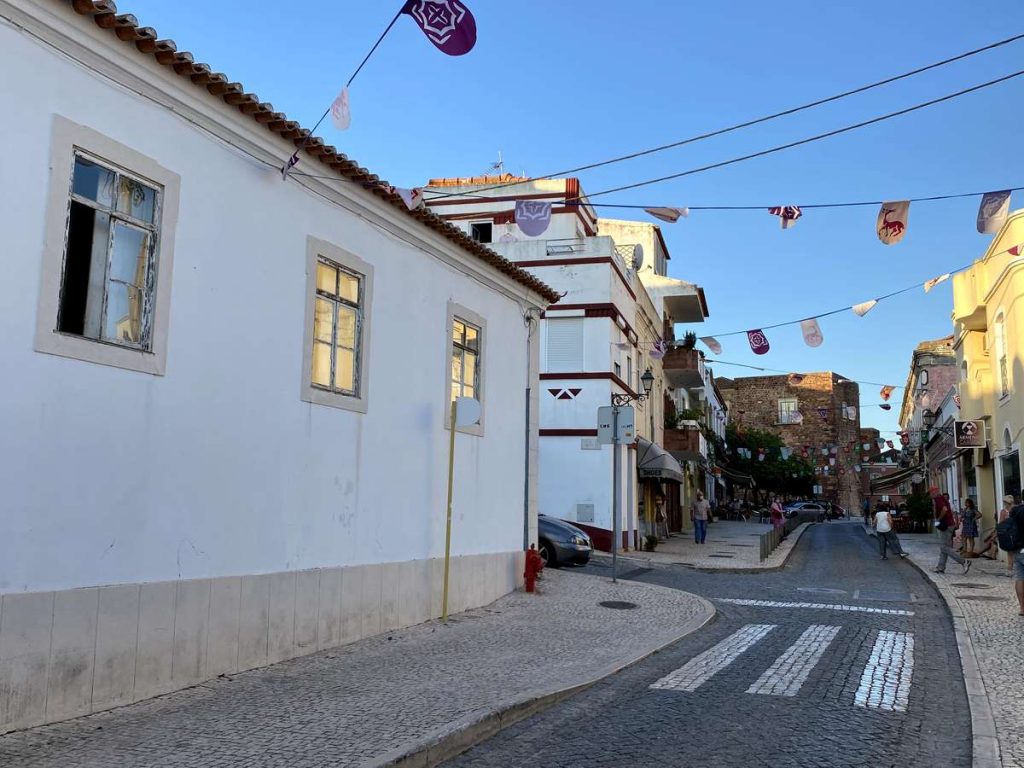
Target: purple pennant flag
448, 24
758, 342
533, 217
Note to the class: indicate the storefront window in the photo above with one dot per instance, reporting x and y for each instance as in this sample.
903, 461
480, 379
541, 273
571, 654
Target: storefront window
1010, 470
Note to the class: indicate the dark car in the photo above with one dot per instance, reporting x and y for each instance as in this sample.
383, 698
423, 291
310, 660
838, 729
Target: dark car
560, 543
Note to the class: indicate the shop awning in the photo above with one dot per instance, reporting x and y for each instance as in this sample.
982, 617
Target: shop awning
653, 461
738, 477
885, 482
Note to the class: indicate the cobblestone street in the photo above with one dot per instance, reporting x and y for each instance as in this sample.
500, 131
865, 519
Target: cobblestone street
386, 696
838, 659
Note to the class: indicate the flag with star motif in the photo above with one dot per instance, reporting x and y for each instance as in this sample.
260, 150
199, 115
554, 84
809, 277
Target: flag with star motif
448, 24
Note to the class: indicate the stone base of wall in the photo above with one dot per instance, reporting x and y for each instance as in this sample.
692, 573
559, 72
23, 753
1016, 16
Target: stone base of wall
69, 653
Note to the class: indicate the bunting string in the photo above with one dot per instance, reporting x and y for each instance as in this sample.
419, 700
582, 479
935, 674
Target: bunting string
755, 121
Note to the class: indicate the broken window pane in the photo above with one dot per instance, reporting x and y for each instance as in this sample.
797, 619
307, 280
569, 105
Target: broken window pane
94, 182
84, 266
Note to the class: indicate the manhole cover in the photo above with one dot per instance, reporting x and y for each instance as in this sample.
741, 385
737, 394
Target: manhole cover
618, 605
981, 597
721, 554
971, 585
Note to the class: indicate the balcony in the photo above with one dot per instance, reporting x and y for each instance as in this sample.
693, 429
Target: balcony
686, 443
684, 368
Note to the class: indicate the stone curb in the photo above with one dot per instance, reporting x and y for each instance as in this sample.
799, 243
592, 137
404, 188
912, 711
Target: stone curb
455, 738
647, 563
985, 751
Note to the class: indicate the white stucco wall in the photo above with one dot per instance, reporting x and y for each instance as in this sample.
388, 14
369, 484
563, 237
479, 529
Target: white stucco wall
218, 468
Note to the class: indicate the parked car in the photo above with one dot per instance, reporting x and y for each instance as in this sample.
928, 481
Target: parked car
795, 508
559, 542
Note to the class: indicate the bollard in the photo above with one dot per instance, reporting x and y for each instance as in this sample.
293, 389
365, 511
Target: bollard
534, 565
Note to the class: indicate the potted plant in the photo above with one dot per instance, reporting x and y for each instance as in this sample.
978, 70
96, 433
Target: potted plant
689, 340
650, 542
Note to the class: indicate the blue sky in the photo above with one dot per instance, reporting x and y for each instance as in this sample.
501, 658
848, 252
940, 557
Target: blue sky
555, 85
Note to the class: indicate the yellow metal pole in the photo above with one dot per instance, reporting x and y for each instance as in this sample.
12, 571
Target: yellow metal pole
448, 524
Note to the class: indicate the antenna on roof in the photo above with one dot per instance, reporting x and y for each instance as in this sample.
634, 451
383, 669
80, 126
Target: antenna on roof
498, 166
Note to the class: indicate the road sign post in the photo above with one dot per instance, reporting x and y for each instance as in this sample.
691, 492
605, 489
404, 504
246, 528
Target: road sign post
615, 427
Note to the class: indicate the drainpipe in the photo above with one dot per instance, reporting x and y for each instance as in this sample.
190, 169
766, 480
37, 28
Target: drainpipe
529, 318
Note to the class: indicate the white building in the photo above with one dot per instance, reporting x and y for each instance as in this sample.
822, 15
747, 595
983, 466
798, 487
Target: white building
595, 342
225, 401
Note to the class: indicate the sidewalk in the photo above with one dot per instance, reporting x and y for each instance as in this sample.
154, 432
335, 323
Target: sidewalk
730, 545
989, 633
427, 692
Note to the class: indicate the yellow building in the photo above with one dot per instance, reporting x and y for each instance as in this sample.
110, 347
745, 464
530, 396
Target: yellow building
988, 317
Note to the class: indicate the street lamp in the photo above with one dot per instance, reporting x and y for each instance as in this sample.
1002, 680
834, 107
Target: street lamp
646, 381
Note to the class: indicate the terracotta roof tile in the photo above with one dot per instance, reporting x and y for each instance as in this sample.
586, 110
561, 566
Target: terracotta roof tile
165, 52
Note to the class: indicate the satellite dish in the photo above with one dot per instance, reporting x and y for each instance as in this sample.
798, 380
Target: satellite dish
638, 257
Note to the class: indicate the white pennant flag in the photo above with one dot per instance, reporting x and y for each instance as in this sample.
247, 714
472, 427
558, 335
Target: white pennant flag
993, 211
929, 284
812, 332
892, 221
864, 307
785, 453
413, 198
340, 114
711, 343
666, 213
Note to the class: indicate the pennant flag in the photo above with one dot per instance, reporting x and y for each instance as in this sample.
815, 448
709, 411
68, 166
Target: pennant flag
993, 211
671, 215
823, 412
831, 462
758, 342
785, 453
824, 451
812, 332
788, 214
892, 221
929, 284
856, 467
885, 407
1015, 251
340, 114
533, 217
889, 444
866, 447
886, 392
448, 24
864, 307
658, 350
712, 344
881, 442
956, 399
851, 413
413, 198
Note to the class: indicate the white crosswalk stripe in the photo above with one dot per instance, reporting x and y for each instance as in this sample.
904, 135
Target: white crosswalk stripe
791, 669
707, 664
820, 606
885, 683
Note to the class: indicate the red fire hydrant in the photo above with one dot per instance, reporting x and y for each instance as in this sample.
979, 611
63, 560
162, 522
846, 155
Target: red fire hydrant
534, 565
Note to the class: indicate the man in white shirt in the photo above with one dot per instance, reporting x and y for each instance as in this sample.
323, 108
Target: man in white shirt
886, 535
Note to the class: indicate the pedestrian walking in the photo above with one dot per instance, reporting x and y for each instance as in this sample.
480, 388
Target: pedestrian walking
1004, 512
886, 535
945, 527
969, 526
699, 516
777, 517
867, 510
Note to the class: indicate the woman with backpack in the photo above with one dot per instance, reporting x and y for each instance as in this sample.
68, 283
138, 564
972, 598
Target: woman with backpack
1004, 513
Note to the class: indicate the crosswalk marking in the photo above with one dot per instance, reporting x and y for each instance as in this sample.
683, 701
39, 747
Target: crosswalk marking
885, 683
791, 669
705, 665
820, 606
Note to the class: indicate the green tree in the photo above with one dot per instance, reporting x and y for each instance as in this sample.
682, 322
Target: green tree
790, 477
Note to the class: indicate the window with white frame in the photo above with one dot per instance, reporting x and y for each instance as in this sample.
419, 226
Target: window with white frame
108, 252
1004, 373
789, 411
466, 347
336, 346
108, 277
337, 321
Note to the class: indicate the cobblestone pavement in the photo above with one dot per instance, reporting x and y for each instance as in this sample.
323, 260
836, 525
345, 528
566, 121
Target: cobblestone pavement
730, 545
984, 599
352, 705
887, 688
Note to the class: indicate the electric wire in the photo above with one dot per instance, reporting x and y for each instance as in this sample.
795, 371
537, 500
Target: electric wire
755, 121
